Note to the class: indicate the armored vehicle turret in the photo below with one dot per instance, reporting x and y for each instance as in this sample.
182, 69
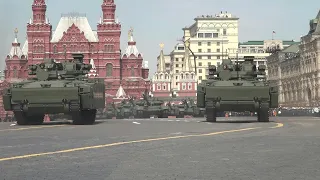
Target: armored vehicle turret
56, 88
237, 87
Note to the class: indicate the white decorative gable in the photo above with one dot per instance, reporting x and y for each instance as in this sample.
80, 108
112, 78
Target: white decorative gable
82, 23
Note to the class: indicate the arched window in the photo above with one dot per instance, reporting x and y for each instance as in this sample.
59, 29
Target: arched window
83, 48
108, 48
132, 71
92, 48
109, 69
15, 72
64, 48
55, 49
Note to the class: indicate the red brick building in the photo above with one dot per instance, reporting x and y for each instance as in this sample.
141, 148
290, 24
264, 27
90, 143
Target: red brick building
73, 33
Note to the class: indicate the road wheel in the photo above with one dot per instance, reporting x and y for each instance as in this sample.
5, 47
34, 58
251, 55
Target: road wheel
263, 113
181, 115
202, 113
21, 118
165, 114
211, 114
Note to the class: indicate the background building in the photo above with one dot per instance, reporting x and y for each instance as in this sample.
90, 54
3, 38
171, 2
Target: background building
210, 38
310, 63
73, 33
284, 73
161, 81
171, 83
259, 50
134, 73
295, 70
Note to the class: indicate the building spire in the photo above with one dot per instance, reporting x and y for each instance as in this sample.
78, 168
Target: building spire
161, 65
39, 9
130, 37
15, 35
186, 63
15, 48
132, 46
109, 11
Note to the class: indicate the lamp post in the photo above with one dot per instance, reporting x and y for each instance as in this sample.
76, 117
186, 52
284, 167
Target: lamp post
238, 65
187, 43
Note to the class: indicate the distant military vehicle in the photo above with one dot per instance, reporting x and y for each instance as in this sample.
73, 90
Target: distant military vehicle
111, 111
154, 107
138, 109
197, 112
173, 110
124, 110
237, 87
56, 88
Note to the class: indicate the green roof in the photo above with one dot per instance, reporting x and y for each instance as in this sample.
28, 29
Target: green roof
294, 48
252, 43
290, 42
262, 43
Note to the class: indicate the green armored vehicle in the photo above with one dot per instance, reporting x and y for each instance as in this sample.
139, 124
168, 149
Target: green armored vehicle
197, 112
173, 110
56, 88
154, 107
138, 108
111, 111
125, 110
238, 88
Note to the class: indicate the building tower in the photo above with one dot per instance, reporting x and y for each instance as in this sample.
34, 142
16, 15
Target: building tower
133, 70
15, 61
161, 81
39, 32
187, 81
109, 32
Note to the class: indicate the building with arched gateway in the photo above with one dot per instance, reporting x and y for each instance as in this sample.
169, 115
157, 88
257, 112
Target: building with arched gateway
73, 34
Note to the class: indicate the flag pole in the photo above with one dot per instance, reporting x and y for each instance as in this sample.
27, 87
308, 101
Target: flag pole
273, 32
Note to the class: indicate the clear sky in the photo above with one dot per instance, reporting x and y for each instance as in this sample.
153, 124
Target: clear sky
156, 21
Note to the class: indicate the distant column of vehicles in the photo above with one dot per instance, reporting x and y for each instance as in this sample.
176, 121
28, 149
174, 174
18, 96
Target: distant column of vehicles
147, 107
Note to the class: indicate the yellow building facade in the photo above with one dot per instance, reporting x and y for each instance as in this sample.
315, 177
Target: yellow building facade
210, 38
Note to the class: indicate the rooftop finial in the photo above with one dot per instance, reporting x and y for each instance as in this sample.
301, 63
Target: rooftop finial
161, 46
130, 33
16, 32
